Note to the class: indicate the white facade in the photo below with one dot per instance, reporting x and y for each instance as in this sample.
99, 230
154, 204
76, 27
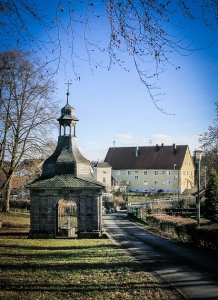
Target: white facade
102, 173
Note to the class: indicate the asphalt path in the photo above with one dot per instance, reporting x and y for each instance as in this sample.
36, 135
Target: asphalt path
192, 271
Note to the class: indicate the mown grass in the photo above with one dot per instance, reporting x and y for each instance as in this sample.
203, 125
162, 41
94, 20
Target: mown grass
15, 219
71, 269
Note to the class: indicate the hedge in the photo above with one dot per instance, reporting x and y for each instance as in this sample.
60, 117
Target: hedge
182, 229
22, 204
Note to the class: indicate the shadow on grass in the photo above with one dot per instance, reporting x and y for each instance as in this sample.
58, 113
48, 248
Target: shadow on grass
55, 248
57, 255
72, 288
74, 266
78, 279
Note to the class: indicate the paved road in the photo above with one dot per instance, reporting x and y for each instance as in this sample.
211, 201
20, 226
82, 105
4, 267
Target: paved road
193, 272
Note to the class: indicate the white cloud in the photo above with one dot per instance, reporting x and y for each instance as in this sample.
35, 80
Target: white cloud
94, 151
191, 141
94, 154
123, 136
162, 138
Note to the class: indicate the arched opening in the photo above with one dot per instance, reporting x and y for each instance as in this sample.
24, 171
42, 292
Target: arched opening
67, 130
61, 130
67, 219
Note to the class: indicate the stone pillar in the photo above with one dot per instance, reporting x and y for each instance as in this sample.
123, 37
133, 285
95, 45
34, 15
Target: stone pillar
82, 213
42, 216
96, 212
100, 212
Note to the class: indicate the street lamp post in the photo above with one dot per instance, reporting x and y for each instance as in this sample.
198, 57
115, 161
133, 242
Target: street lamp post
198, 158
205, 177
174, 166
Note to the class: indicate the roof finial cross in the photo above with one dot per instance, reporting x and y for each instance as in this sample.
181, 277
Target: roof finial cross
68, 91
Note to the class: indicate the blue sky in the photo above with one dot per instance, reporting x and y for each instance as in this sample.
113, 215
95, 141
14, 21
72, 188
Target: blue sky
114, 106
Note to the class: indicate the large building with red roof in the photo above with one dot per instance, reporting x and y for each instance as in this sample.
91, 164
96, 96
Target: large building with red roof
169, 169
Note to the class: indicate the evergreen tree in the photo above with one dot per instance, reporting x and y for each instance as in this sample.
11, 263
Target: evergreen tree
211, 194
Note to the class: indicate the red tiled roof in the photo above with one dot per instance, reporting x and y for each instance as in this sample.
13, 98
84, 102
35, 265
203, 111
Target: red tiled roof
16, 182
146, 157
102, 165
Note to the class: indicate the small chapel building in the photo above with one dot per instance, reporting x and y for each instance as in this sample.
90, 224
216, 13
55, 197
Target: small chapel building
66, 201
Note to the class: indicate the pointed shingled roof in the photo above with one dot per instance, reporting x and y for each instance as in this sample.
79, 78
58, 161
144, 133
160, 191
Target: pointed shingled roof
66, 167
67, 113
66, 181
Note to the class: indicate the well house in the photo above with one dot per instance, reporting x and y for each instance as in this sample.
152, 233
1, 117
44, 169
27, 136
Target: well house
66, 201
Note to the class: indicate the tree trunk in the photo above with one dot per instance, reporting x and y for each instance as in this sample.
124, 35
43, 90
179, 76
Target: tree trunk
6, 193
7, 200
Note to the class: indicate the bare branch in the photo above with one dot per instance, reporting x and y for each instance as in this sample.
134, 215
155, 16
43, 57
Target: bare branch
28, 110
102, 34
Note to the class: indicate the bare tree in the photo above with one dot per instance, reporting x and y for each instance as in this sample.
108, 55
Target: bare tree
209, 144
143, 30
209, 139
27, 112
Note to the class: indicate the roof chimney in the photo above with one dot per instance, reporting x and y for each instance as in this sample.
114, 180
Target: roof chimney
174, 149
136, 151
157, 147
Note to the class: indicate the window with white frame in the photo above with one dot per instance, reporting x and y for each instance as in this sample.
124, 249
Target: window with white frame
183, 172
136, 177
156, 183
145, 182
187, 172
168, 182
128, 172
104, 179
168, 172
118, 173
175, 177
164, 172
155, 172
145, 173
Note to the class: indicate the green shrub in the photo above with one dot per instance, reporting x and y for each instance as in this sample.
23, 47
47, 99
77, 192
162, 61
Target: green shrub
17, 205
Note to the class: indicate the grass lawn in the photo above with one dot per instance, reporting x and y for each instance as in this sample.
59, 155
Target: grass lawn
71, 269
15, 219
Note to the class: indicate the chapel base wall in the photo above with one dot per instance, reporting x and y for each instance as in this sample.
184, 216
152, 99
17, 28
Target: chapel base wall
42, 234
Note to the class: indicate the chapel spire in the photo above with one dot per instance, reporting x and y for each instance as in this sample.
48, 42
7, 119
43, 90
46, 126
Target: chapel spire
68, 90
67, 120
